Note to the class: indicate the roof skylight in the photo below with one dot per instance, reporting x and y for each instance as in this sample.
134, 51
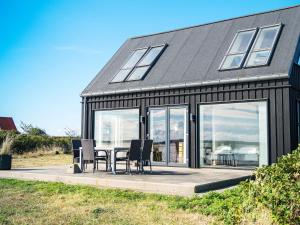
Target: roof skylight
129, 65
263, 46
144, 65
238, 49
139, 63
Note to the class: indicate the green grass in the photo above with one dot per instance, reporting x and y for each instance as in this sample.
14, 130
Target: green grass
272, 198
34, 202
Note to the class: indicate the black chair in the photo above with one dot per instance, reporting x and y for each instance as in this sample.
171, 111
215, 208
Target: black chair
134, 154
88, 153
102, 155
76, 144
146, 154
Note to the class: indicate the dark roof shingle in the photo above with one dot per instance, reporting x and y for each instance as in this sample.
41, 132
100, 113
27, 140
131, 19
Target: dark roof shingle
194, 54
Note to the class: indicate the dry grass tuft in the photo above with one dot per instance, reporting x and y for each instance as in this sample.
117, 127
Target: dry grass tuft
6, 147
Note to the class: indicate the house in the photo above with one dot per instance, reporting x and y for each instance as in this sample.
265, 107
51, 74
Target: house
221, 94
7, 123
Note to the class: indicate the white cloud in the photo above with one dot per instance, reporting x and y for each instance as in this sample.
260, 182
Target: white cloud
77, 49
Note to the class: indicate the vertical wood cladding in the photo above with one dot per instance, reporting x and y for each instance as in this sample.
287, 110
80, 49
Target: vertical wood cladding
281, 134
294, 98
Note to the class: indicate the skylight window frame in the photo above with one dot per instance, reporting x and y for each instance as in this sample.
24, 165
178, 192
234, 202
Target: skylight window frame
150, 65
132, 68
272, 49
250, 44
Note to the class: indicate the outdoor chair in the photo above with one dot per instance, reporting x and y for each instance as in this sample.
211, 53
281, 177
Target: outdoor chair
76, 144
146, 154
88, 153
102, 155
133, 154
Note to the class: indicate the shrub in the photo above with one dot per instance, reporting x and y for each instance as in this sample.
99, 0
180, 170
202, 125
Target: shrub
26, 143
277, 187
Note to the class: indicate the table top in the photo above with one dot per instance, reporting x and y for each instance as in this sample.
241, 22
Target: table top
112, 149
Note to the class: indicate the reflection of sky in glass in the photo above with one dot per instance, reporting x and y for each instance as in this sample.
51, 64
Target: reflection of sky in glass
231, 122
158, 125
177, 122
116, 128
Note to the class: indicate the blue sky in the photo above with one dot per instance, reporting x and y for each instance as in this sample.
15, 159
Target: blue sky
51, 49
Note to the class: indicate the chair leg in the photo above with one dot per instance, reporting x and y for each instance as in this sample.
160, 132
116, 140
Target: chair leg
129, 167
106, 165
94, 166
126, 166
150, 166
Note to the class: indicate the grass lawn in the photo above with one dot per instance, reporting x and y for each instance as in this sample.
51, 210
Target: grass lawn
41, 158
32, 202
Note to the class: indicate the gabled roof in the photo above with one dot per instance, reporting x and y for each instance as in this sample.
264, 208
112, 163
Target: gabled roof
7, 123
194, 54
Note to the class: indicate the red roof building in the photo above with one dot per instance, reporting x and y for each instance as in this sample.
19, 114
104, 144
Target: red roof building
7, 123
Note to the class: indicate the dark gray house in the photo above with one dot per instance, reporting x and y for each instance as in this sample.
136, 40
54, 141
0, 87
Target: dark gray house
221, 94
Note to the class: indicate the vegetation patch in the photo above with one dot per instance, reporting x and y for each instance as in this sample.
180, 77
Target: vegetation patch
275, 191
23, 143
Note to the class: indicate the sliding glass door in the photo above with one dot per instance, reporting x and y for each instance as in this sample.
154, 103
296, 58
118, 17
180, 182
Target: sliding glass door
168, 129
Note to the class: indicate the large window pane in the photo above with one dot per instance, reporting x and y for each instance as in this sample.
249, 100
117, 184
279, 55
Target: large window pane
233, 61
135, 57
116, 128
121, 76
138, 73
177, 133
233, 134
151, 56
258, 58
242, 41
266, 38
158, 133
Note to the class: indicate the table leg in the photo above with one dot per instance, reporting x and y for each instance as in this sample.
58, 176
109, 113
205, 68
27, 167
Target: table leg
109, 161
80, 159
113, 162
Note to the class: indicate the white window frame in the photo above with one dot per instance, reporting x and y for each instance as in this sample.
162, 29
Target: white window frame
132, 68
150, 65
271, 49
238, 53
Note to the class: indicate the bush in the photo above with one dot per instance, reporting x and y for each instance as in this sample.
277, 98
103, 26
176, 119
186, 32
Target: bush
26, 143
277, 187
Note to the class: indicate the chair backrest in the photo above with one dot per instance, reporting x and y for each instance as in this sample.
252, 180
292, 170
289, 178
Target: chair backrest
76, 144
135, 150
88, 152
147, 148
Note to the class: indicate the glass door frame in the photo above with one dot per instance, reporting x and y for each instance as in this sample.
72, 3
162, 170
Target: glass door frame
167, 126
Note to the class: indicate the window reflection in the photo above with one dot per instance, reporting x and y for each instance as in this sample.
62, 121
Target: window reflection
158, 133
116, 128
233, 134
177, 135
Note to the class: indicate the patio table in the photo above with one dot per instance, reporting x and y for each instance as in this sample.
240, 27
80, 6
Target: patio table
111, 156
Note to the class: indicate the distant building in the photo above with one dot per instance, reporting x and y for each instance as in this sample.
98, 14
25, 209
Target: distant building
7, 123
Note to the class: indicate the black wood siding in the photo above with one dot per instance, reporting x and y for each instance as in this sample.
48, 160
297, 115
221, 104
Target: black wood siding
294, 98
276, 92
